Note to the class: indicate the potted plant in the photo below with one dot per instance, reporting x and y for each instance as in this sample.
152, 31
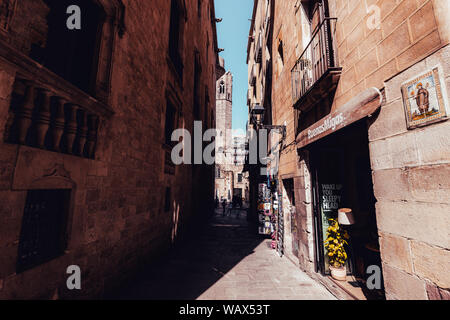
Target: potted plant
335, 245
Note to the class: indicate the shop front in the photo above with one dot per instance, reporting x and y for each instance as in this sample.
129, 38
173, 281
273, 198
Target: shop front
341, 180
270, 213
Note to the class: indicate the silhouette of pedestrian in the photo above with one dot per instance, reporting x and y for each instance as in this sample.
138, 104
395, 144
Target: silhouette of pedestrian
224, 205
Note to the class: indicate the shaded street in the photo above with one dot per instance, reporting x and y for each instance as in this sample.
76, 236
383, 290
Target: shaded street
225, 261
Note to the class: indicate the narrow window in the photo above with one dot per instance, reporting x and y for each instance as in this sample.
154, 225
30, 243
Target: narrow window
175, 36
43, 234
280, 54
170, 123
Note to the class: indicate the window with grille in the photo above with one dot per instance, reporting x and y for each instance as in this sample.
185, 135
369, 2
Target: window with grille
44, 222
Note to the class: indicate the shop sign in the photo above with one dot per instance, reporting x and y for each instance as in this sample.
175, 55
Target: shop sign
425, 99
363, 105
329, 124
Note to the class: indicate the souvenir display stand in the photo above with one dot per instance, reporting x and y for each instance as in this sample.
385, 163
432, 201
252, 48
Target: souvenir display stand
265, 226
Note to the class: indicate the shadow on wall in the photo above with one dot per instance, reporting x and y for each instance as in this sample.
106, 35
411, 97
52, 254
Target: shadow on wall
175, 221
197, 264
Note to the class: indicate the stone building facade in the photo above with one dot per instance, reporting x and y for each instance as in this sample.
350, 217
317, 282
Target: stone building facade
86, 118
229, 178
339, 75
260, 62
224, 109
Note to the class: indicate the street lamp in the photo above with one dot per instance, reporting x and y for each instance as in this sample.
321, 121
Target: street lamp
257, 114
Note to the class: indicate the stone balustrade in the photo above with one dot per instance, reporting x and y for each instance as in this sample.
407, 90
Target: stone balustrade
44, 118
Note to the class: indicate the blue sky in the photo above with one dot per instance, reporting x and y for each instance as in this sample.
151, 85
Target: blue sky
233, 36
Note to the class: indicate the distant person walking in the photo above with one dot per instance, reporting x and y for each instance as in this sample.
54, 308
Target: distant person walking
224, 205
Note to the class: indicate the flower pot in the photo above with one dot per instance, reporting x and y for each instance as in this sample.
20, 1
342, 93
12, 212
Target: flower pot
339, 273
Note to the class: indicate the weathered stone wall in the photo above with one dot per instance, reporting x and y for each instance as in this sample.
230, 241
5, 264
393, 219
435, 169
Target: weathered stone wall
410, 168
408, 32
118, 220
304, 208
411, 174
287, 26
289, 22
28, 24
224, 110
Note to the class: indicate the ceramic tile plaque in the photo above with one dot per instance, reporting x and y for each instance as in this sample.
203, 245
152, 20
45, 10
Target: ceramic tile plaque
425, 99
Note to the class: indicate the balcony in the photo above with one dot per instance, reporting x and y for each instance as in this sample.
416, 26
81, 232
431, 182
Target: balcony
258, 50
316, 73
266, 26
252, 80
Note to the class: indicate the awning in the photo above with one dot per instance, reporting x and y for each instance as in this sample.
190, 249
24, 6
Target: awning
363, 105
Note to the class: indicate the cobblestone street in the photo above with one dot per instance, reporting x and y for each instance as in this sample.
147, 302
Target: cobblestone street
224, 262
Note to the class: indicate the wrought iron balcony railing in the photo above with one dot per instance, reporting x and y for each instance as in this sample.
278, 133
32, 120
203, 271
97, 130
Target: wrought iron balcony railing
252, 80
258, 50
316, 63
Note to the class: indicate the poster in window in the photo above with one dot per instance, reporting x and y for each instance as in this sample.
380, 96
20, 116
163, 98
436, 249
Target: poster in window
329, 202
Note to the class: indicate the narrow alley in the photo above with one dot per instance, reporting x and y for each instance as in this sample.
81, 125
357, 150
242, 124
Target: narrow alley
225, 261
128, 127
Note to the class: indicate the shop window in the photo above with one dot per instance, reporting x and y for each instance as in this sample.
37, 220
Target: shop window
176, 36
346, 182
72, 54
43, 234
